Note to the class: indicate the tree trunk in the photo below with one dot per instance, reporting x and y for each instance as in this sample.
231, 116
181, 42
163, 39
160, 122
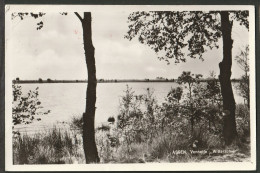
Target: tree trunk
247, 91
229, 105
89, 143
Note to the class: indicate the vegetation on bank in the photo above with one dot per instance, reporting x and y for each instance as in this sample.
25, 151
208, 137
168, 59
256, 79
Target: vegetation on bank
186, 33
18, 81
186, 127
55, 146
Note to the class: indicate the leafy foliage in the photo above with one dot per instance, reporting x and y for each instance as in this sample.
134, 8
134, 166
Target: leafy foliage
243, 59
175, 94
171, 32
162, 131
34, 15
190, 79
23, 15
213, 87
243, 122
26, 107
130, 113
244, 89
142, 119
243, 62
241, 17
64, 13
187, 77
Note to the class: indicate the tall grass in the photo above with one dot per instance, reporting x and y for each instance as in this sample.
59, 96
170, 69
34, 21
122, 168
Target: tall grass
56, 146
163, 133
143, 132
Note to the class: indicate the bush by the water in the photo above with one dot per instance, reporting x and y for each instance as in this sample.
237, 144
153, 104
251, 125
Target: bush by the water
26, 107
148, 132
145, 131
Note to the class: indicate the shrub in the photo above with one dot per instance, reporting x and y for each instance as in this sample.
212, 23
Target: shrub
26, 106
175, 94
148, 132
130, 114
77, 123
243, 62
243, 122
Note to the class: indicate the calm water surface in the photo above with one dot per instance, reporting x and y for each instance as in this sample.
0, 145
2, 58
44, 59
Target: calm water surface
66, 100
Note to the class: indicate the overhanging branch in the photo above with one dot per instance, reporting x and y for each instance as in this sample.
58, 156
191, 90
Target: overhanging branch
77, 14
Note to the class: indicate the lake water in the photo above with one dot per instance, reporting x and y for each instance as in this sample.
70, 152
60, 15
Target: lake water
66, 100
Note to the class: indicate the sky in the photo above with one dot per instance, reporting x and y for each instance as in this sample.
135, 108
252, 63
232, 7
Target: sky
56, 51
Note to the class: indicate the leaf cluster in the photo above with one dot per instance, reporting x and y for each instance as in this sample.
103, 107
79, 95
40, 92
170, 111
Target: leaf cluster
171, 33
243, 59
26, 107
243, 86
187, 77
175, 94
23, 15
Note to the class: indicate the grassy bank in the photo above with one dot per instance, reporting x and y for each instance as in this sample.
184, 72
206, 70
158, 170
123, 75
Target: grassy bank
64, 146
56, 146
184, 128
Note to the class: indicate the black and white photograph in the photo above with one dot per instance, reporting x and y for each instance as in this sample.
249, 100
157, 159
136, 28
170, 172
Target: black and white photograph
130, 87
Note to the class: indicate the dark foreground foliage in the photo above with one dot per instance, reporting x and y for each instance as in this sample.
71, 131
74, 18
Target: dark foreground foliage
56, 146
26, 107
181, 129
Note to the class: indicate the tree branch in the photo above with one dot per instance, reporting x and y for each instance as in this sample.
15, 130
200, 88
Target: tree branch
77, 14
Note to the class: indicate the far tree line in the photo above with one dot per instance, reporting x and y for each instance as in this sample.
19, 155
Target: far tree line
48, 80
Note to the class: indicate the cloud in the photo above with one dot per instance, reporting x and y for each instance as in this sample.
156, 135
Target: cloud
57, 51
112, 52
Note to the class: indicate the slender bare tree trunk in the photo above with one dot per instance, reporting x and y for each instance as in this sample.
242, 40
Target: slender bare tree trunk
89, 143
229, 105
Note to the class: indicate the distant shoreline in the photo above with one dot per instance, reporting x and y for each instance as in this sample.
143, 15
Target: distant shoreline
107, 81
85, 81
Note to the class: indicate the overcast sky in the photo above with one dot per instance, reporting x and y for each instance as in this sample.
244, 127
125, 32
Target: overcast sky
56, 51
